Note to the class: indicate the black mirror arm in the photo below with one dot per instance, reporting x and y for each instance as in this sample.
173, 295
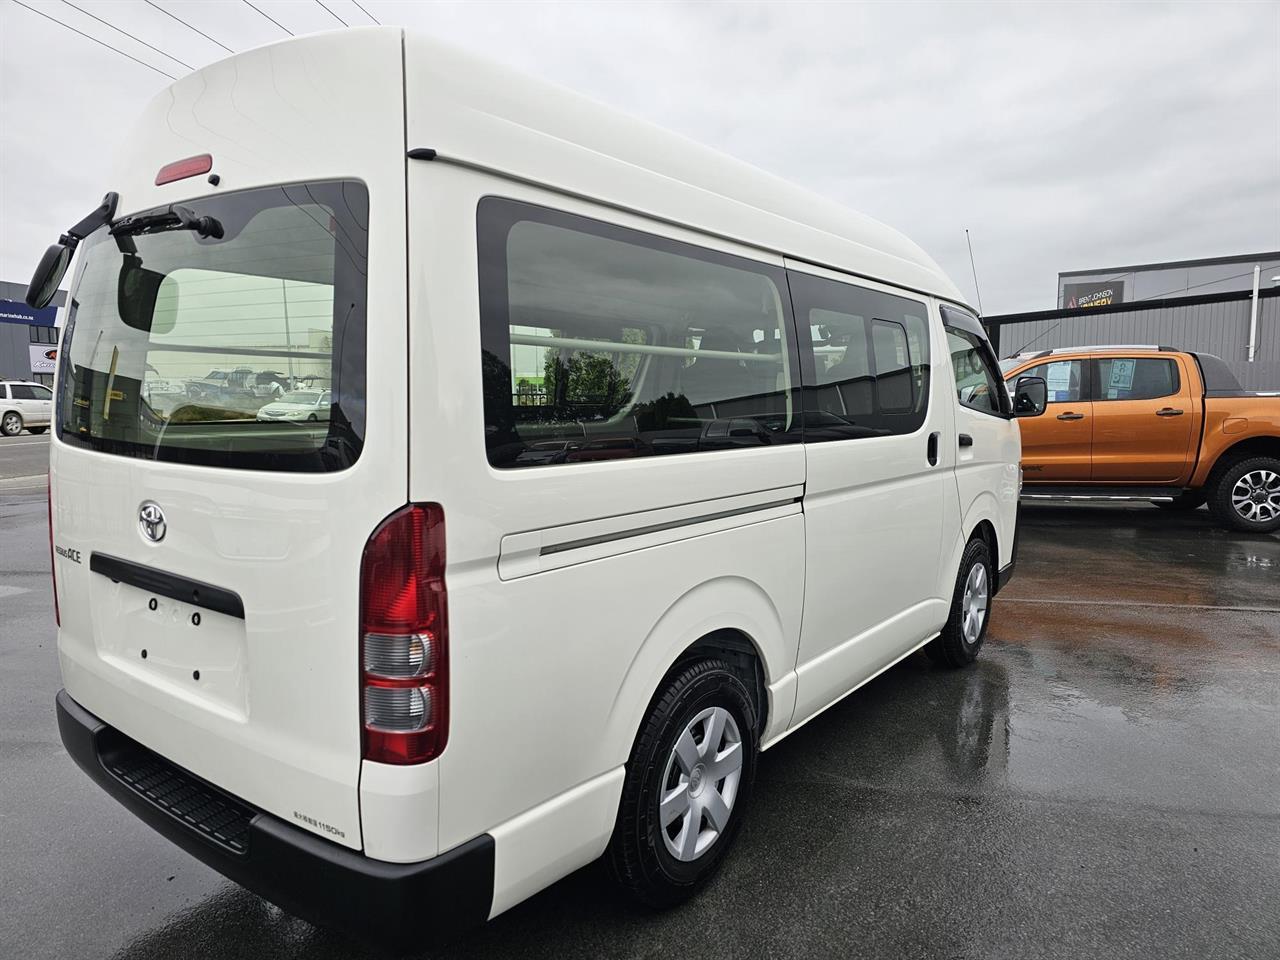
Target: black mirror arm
103, 215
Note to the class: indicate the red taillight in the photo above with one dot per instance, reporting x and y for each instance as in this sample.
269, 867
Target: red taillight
181, 169
404, 638
53, 566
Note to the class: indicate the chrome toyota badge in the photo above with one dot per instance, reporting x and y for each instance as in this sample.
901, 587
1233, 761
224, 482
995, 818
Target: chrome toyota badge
151, 521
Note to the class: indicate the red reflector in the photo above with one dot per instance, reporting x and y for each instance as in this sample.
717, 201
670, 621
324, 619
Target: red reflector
181, 169
404, 638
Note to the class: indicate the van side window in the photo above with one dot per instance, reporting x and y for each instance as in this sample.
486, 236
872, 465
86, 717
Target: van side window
979, 385
600, 343
1136, 378
870, 356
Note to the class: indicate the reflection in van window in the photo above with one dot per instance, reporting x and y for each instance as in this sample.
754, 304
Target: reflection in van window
871, 360
176, 340
601, 343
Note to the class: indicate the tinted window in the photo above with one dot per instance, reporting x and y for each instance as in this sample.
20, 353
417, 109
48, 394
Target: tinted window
21, 391
281, 290
1136, 378
870, 356
601, 343
1064, 378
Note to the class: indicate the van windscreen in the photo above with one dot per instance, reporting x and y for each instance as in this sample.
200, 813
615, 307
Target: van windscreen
186, 321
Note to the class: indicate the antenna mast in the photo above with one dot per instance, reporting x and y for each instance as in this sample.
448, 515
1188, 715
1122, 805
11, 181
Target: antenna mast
974, 269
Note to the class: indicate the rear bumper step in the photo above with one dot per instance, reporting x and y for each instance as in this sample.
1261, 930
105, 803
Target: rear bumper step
389, 904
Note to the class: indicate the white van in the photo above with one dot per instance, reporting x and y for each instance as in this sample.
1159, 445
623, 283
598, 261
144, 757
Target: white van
636, 460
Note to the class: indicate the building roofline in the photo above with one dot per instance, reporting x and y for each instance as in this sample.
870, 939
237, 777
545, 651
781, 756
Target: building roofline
1131, 307
1273, 255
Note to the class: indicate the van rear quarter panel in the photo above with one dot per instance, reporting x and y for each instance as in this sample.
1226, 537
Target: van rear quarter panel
551, 673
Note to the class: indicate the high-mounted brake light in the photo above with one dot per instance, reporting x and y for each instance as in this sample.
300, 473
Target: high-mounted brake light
181, 169
404, 638
53, 567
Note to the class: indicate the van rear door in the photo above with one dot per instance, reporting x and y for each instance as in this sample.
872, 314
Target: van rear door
209, 552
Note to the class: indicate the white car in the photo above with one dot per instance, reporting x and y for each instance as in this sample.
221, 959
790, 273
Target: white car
402, 673
298, 405
24, 406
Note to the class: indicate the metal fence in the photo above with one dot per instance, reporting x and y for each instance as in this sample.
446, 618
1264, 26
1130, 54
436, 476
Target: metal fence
1217, 324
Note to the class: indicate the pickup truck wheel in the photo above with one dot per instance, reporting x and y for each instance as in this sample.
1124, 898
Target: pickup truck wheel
1183, 501
1247, 496
966, 627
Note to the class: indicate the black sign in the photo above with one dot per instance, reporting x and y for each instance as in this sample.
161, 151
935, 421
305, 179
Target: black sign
1094, 294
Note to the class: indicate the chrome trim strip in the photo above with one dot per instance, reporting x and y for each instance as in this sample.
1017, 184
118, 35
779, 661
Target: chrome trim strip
660, 527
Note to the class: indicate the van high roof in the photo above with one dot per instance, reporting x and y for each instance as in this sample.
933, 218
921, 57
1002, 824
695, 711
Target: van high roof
476, 114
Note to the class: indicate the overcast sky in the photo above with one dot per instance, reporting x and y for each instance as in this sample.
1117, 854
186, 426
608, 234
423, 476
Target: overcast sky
1063, 136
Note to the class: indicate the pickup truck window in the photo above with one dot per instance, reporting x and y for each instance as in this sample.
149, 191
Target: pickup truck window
1136, 378
1064, 378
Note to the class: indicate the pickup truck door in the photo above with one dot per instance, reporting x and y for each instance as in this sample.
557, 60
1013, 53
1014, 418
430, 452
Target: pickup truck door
1144, 412
1058, 446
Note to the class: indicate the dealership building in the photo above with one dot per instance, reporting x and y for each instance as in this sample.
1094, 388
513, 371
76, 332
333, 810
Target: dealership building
1227, 306
28, 337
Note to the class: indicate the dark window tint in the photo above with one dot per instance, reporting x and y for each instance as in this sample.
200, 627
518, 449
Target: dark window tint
1064, 378
870, 356
22, 391
601, 343
978, 382
1136, 378
41, 334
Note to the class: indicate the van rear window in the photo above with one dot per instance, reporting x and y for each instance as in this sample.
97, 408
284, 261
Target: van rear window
227, 331
603, 343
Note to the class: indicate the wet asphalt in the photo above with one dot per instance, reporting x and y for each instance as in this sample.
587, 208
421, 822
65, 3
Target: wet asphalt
1105, 782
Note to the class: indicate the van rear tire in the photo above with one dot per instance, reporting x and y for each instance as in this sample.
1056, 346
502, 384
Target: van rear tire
966, 626
672, 774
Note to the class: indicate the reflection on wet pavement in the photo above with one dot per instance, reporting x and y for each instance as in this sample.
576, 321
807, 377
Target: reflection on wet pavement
1105, 782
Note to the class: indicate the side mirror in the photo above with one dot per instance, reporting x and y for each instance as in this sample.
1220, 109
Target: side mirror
53, 265
49, 273
1030, 397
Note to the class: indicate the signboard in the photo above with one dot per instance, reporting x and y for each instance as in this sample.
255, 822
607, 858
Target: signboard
1097, 293
15, 311
44, 357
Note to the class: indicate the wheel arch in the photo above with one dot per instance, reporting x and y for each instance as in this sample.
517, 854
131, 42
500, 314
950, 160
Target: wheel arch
731, 617
1257, 446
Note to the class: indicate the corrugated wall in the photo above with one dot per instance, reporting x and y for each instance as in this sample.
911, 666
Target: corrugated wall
1220, 328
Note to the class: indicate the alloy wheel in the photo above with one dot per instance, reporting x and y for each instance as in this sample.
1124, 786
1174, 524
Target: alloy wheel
1256, 496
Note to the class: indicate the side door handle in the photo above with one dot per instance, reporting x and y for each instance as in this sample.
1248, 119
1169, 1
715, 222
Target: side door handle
966, 440
933, 449
1168, 412
1071, 416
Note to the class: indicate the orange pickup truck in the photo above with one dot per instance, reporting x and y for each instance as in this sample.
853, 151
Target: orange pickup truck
1151, 423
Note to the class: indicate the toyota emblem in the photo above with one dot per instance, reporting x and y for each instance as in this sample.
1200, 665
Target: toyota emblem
151, 521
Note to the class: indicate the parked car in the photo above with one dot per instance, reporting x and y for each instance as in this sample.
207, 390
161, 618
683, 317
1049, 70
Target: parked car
396, 677
1152, 423
298, 405
24, 406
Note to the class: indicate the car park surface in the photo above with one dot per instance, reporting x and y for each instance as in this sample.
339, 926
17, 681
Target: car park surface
1105, 781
